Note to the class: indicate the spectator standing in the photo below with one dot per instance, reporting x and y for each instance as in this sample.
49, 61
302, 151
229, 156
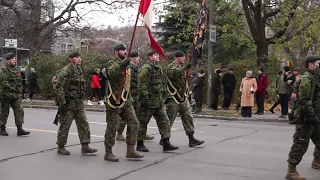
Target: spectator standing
278, 100
284, 91
198, 90
262, 85
23, 81
33, 82
216, 89
95, 87
103, 82
229, 84
247, 89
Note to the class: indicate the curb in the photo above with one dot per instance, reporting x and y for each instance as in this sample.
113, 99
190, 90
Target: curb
224, 118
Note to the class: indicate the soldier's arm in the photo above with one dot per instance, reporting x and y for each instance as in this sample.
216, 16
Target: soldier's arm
176, 72
62, 79
114, 71
4, 82
143, 77
305, 90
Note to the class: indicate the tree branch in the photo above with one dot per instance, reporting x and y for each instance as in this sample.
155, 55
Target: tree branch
250, 21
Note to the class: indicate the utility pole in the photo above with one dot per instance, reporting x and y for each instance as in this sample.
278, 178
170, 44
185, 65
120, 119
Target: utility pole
211, 40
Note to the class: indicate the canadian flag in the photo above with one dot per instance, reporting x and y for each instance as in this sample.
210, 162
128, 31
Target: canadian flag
146, 10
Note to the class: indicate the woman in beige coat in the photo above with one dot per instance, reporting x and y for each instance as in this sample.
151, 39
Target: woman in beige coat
247, 88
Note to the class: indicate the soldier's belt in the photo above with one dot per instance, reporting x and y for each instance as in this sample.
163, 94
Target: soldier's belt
174, 93
112, 99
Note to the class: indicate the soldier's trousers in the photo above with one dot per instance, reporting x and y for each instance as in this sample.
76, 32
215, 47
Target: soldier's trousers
83, 127
172, 109
16, 105
300, 147
122, 124
161, 118
114, 116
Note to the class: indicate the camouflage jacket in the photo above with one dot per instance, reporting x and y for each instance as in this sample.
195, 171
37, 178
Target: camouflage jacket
70, 87
310, 108
135, 82
10, 83
115, 74
176, 75
152, 85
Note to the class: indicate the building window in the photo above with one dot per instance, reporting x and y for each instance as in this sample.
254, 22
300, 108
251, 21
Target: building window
70, 46
63, 46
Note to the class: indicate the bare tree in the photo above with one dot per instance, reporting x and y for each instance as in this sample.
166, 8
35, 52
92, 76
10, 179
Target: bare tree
37, 29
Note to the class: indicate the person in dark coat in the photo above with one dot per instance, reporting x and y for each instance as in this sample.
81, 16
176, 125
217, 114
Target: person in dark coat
32, 83
103, 82
198, 89
229, 84
262, 83
216, 89
193, 79
23, 81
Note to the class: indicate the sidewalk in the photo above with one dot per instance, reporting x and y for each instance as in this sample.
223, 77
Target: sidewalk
230, 115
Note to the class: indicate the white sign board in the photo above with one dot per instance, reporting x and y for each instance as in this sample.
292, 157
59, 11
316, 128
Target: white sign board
213, 33
11, 43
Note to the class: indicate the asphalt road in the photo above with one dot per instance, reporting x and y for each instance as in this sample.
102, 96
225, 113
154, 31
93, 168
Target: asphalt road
232, 151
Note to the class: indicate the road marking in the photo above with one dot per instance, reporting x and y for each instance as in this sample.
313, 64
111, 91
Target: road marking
151, 127
55, 132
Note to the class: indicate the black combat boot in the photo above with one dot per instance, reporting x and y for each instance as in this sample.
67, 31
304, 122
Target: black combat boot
3, 131
167, 146
141, 147
193, 141
21, 132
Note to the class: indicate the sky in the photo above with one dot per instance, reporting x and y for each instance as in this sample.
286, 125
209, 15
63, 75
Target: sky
118, 17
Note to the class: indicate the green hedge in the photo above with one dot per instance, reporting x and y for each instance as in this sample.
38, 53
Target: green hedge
47, 65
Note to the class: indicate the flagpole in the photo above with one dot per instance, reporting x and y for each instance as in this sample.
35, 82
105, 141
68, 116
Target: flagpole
133, 34
128, 54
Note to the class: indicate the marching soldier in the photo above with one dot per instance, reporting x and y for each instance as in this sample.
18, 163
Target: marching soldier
308, 123
70, 93
10, 95
118, 110
153, 95
134, 57
178, 91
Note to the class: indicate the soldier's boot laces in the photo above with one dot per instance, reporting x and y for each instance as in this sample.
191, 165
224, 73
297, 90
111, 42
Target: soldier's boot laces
109, 156
141, 147
316, 163
131, 153
292, 173
167, 146
194, 142
87, 150
62, 151
120, 137
3, 131
21, 131
148, 138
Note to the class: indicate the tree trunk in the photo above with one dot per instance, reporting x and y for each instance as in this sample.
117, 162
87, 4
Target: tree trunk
35, 34
262, 53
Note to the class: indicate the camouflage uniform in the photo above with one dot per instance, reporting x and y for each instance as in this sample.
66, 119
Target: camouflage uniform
10, 95
134, 94
177, 101
307, 111
120, 112
70, 93
153, 95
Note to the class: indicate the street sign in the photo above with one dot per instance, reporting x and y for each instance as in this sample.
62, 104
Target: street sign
213, 33
11, 43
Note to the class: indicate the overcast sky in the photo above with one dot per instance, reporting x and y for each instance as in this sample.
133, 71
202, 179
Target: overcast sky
114, 17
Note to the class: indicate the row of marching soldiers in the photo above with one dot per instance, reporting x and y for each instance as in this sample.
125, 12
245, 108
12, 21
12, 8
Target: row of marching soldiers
133, 97
143, 94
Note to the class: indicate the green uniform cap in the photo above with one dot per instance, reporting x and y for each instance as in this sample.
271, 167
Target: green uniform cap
311, 59
134, 54
178, 53
9, 56
119, 46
